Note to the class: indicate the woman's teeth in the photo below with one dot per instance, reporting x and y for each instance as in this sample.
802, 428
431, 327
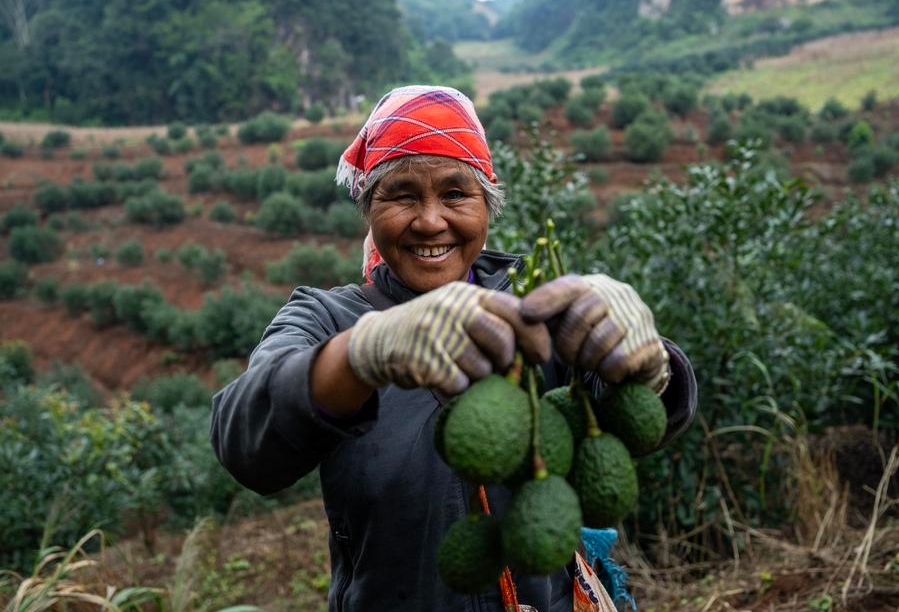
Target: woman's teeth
430, 251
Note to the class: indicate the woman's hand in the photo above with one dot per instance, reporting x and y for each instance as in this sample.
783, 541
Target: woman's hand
601, 325
444, 339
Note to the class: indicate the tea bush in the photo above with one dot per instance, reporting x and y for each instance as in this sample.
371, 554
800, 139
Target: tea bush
265, 127
18, 216
16, 363
223, 212
270, 179
231, 323
318, 153
47, 290
315, 113
627, 108
241, 182
345, 221
155, 208
73, 380
284, 214
131, 303
317, 187
130, 253
51, 197
315, 266
647, 137
56, 139
166, 393
33, 244
13, 279
592, 145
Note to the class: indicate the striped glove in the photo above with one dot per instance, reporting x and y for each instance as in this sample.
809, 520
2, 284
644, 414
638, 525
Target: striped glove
601, 325
444, 339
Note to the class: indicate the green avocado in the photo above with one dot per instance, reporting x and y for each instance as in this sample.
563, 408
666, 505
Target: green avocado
488, 432
571, 409
605, 479
470, 558
556, 447
542, 526
634, 414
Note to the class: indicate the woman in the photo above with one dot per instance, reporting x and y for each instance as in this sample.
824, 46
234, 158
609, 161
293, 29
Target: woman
351, 379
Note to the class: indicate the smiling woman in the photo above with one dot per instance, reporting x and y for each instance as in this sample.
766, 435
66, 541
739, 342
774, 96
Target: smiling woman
352, 380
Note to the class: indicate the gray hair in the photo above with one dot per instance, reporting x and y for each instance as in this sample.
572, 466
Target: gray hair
493, 192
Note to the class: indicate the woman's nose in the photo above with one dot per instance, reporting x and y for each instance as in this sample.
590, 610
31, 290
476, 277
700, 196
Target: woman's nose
430, 216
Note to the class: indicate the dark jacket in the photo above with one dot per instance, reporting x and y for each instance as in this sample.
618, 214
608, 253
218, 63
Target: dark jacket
388, 497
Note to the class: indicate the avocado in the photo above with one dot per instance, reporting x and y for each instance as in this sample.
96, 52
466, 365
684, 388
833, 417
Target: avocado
556, 447
488, 431
571, 409
542, 526
469, 559
605, 480
634, 414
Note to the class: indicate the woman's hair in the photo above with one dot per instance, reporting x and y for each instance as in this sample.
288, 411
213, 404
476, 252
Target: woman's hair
493, 192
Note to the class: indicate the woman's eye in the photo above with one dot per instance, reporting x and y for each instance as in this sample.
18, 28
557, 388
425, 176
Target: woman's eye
454, 194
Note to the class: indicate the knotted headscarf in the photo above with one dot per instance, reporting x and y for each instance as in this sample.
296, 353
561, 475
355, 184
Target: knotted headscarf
413, 120
416, 120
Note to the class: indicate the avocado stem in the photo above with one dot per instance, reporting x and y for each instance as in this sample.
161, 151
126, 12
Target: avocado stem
540, 471
515, 372
580, 394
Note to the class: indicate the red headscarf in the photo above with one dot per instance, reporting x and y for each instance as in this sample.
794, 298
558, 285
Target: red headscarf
414, 120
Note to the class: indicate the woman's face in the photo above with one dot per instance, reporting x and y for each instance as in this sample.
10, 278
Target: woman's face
429, 222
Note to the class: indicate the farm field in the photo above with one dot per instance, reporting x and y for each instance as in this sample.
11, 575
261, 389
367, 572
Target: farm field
845, 67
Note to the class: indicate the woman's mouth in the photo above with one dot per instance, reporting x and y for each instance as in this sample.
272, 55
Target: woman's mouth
431, 251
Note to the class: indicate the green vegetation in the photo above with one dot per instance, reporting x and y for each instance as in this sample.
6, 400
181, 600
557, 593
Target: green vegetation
314, 266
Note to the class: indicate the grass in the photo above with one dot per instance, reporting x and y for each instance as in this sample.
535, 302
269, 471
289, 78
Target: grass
846, 68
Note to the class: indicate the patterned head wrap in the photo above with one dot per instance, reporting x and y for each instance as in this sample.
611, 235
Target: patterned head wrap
416, 120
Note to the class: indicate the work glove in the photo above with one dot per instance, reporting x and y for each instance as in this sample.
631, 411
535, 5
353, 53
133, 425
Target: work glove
445, 339
601, 325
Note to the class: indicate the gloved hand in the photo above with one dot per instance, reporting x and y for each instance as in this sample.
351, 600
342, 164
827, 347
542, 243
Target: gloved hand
601, 325
444, 339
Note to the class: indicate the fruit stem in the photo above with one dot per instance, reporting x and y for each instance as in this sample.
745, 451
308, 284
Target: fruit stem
540, 471
580, 394
516, 369
555, 251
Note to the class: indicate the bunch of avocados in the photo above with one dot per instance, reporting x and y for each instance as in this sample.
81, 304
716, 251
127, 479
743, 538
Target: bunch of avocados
566, 456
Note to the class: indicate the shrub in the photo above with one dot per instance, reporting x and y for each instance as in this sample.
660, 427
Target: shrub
11, 148
56, 139
212, 159
318, 153
131, 303
593, 97
182, 145
75, 298
70, 470
270, 179
593, 81
719, 129
148, 168
231, 324
101, 303
71, 379
578, 112
860, 135
500, 129
315, 113
212, 266
265, 127
13, 277
315, 266
647, 138
201, 179
680, 98
241, 182
164, 255
47, 290
530, 113
51, 197
110, 152
16, 363
85, 195
344, 220
162, 146
130, 253
18, 216
31, 245
832, 110
156, 208
223, 212
557, 88
861, 169
593, 145
189, 254
824, 132
792, 129
869, 101
316, 188
282, 213
627, 108
166, 393
177, 130
78, 154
